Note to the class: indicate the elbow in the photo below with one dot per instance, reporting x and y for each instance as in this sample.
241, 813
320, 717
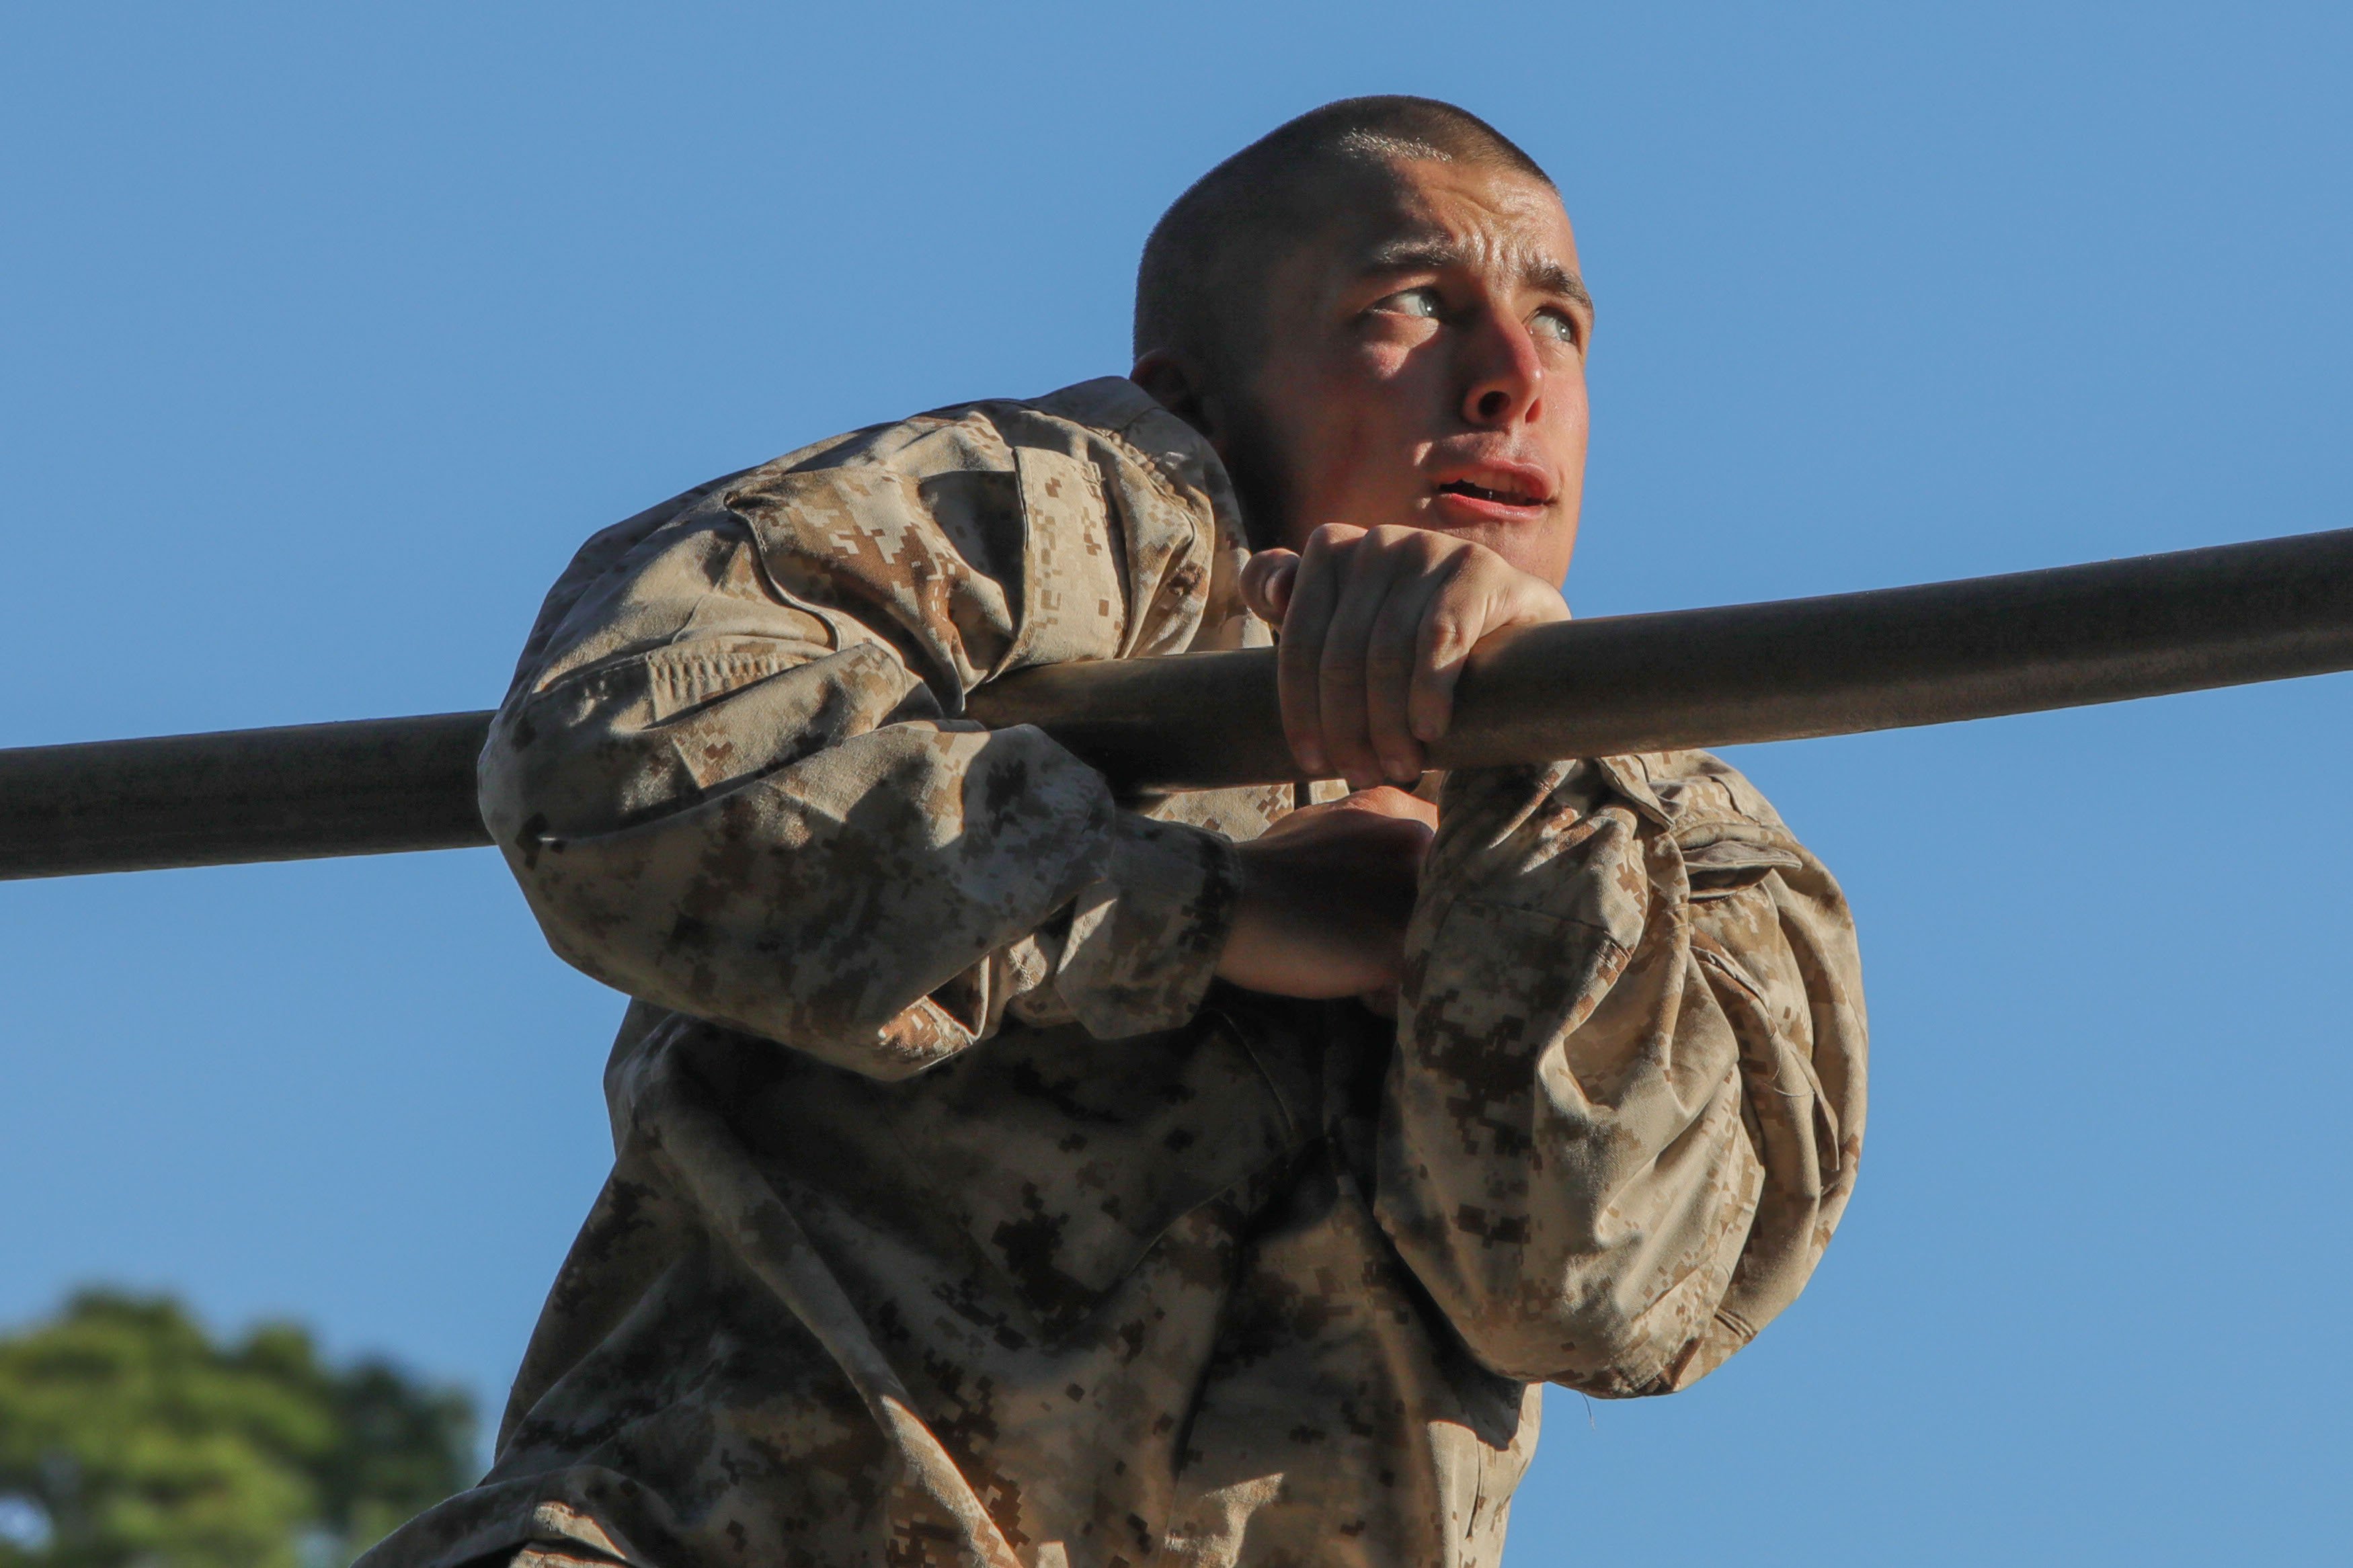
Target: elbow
504, 793
550, 770
1603, 1352
1600, 1330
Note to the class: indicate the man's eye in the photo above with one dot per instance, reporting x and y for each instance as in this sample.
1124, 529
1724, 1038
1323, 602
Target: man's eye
1423, 302
1558, 325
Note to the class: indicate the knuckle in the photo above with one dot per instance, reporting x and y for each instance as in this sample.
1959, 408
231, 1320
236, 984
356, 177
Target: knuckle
1447, 631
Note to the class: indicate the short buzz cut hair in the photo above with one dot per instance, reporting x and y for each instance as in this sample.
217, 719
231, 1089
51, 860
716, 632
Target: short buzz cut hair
1193, 293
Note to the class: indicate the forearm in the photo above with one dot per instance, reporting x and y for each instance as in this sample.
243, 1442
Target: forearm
1608, 1153
880, 899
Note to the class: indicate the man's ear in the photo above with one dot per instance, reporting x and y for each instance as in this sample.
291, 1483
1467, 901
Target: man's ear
1176, 381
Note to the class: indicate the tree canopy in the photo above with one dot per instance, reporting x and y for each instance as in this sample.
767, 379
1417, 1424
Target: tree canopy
129, 1438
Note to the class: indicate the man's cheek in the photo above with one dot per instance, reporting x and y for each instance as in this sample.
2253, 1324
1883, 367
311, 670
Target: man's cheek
1381, 362
1371, 479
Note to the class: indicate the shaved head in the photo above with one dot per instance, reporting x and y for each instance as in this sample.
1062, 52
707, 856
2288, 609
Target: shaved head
1198, 290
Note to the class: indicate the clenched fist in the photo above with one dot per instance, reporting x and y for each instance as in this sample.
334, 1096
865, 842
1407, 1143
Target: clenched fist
1375, 624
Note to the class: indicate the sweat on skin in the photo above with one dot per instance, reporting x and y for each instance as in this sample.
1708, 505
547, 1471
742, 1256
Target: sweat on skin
1007, 1172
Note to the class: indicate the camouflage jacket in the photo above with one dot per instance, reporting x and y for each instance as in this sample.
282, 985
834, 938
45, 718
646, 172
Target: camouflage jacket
957, 1215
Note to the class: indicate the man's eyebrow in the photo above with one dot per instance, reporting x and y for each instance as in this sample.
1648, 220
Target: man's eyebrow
1552, 278
1426, 255
1410, 255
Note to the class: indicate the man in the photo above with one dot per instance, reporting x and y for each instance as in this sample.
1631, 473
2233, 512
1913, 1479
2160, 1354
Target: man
1007, 1172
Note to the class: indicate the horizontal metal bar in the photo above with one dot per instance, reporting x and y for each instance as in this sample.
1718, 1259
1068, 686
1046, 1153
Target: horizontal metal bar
1783, 670
372, 786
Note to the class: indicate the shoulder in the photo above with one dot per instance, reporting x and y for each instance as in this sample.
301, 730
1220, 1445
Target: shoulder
1108, 425
1108, 507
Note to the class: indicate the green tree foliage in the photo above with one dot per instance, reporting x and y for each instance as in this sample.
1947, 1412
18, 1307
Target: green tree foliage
130, 1439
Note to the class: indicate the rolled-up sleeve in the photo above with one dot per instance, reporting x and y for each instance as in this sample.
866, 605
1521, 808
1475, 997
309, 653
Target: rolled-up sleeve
1627, 1103
733, 779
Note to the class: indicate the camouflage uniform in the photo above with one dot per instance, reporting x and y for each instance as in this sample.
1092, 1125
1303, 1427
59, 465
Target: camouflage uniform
958, 1216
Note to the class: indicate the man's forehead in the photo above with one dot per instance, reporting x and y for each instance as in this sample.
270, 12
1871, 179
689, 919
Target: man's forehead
1430, 216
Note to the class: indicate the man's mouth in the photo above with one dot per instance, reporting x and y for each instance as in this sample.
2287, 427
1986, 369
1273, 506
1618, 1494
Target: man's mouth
1495, 488
1498, 496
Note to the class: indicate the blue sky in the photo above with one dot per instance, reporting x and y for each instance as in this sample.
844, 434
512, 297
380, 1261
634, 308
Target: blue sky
328, 333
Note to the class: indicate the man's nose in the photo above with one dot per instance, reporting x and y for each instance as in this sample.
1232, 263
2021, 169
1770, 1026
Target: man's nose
1506, 377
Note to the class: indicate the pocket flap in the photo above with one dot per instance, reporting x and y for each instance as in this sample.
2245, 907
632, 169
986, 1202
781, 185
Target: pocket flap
1722, 856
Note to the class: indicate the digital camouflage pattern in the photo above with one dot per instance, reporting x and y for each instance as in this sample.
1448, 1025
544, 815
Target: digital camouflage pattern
958, 1216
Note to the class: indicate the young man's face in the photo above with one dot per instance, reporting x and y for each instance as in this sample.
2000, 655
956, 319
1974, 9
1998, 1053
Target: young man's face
1424, 365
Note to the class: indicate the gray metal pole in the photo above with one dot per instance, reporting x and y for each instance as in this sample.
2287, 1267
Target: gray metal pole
369, 787
1784, 670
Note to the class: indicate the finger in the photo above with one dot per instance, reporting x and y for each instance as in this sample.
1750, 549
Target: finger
1386, 801
1314, 594
1393, 660
1484, 596
1441, 643
1363, 587
1453, 621
1266, 582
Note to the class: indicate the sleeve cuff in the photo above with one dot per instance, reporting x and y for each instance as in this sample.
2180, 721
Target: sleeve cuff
1145, 940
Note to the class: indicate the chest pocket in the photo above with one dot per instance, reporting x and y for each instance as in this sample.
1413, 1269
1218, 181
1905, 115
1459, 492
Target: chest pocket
1722, 857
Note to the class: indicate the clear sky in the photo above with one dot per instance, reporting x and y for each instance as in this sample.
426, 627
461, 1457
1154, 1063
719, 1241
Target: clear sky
328, 333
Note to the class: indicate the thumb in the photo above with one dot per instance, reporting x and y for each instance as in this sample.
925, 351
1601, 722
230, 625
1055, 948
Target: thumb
1267, 579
